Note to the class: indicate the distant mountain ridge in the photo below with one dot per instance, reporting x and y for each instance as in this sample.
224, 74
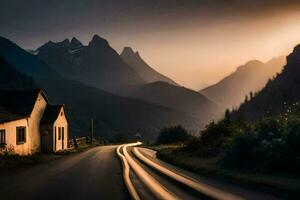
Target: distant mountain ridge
96, 64
230, 92
279, 93
178, 98
147, 73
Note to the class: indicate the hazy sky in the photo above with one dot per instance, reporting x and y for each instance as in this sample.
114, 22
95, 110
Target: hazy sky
195, 42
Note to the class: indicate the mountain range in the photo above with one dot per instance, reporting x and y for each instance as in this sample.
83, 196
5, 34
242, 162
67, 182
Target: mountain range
230, 92
111, 113
153, 87
97, 64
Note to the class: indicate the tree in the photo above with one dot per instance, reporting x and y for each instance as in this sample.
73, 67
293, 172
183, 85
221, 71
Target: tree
251, 95
227, 115
246, 98
171, 135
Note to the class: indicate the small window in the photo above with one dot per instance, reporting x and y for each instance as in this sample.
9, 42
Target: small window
59, 133
61, 113
2, 136
21, 135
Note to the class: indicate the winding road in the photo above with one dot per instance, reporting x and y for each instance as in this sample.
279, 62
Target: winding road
98, 173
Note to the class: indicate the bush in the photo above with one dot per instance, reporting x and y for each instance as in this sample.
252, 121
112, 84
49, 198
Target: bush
6, 150
241, 148
216, 137
176, 134
274, 146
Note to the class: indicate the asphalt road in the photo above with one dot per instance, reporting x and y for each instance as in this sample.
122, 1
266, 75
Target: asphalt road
93, 174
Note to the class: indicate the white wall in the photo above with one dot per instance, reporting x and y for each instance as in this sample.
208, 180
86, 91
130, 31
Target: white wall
61, 121
11, 136
34, 124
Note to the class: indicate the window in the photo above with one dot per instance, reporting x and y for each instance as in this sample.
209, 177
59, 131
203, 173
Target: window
59, 133
2, 136
21, 135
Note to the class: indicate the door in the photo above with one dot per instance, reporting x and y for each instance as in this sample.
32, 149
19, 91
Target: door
46, 140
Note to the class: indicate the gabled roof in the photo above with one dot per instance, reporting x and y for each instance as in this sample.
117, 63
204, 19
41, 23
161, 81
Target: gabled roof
17, 104
52, 112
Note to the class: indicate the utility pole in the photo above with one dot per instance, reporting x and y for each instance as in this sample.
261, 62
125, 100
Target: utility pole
92, 131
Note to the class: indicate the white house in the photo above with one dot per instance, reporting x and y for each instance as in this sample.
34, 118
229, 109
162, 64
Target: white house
21, 112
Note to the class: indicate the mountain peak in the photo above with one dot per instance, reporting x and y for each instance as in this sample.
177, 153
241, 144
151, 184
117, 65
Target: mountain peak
97, 40
250, 65
65, 42
50, 42
136, 62
127, 50
75, 43
254, 62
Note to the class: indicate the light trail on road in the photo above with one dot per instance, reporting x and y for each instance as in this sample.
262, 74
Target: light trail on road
144, 170
200, 187
159, 191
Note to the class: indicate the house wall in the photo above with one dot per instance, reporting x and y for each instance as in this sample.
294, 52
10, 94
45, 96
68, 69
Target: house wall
11, 136
61, 121
34, 124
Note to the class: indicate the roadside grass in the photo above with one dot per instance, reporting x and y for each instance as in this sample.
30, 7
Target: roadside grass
16, 162
13, 162
284, 185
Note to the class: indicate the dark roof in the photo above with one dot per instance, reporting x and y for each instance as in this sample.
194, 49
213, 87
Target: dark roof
17, 104
51, 113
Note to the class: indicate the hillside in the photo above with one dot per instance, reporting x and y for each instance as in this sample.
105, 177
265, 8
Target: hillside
10, 78
230, 92
96, 64
278, 93
178, 98
25, 62
147, 73
111, 113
